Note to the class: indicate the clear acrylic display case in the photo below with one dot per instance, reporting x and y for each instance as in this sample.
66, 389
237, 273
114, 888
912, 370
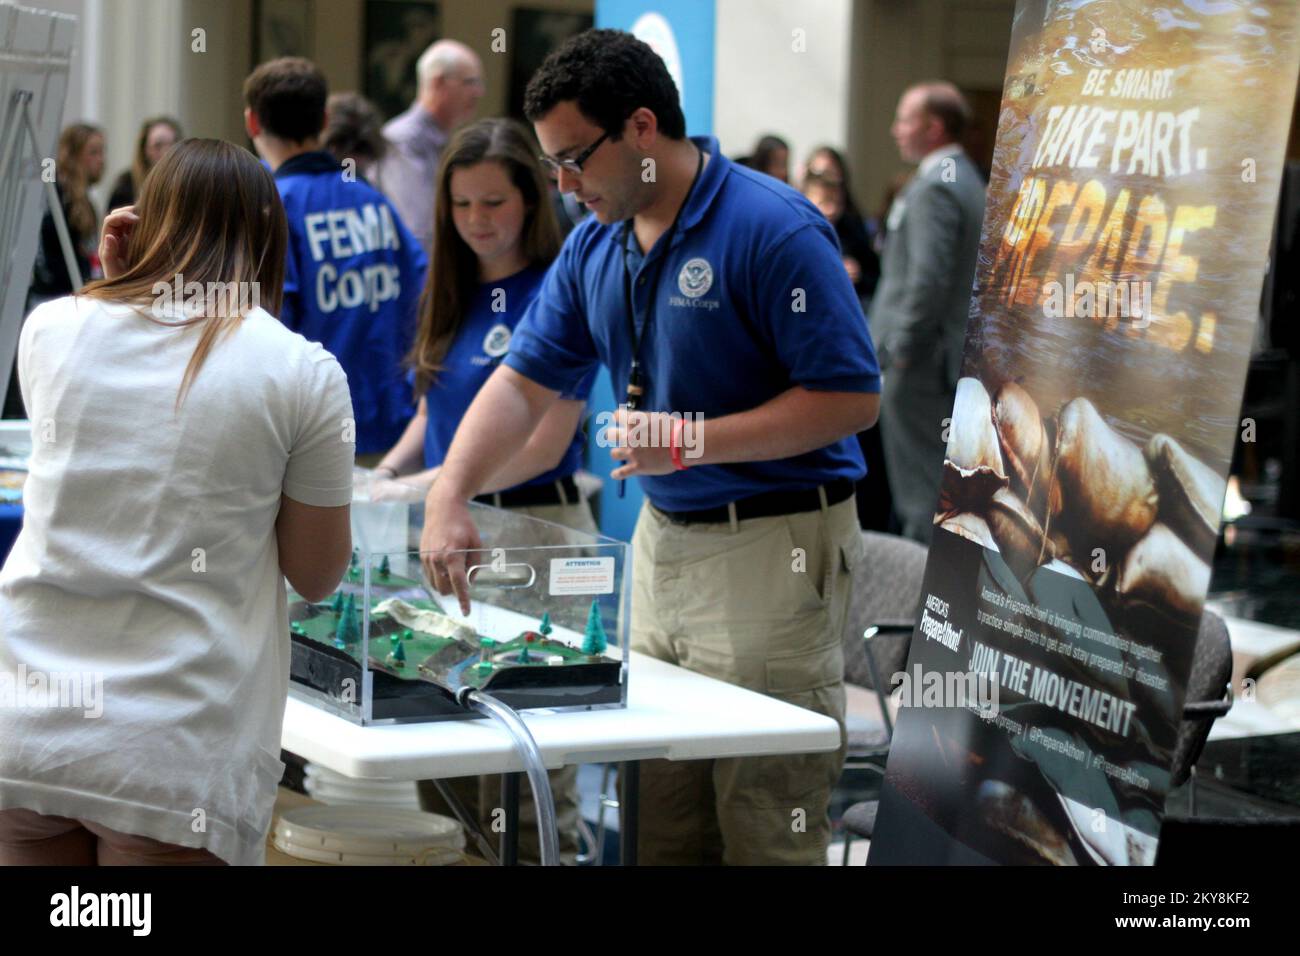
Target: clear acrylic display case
547, 626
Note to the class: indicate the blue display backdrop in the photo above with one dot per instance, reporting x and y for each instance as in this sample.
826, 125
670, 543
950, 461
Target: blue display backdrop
680, 31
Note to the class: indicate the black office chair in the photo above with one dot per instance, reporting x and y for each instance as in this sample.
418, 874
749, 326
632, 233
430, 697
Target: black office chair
1209, 696
886, 592
882, 612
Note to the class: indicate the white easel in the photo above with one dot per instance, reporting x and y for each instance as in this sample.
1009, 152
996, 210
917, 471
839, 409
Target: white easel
36, 49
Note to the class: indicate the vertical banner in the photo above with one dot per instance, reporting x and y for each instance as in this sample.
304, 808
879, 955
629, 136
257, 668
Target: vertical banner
1130, 209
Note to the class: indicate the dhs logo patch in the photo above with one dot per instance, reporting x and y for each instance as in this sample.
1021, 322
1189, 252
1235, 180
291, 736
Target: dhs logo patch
696, 278
497, 342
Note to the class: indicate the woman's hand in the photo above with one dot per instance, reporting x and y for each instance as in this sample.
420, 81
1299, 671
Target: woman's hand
113, 239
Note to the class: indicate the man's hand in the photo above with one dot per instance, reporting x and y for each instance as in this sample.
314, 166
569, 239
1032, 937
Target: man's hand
448, 533
118, 226
650, 453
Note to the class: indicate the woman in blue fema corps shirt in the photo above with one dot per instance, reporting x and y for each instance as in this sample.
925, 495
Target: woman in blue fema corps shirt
495, 234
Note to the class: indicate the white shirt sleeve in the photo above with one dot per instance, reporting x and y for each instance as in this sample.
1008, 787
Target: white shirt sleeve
24, 351
319, 471
23, 365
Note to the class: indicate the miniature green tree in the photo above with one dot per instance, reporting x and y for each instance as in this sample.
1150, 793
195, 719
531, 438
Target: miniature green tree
384, 569
594, 641
347, 631
337, 605
544, 628
398, 655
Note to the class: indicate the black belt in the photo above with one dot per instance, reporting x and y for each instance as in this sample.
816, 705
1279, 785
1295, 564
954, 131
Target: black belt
561, 492
766, 505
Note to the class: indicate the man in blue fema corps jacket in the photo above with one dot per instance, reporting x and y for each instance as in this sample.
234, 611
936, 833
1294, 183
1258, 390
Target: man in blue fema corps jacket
354, 271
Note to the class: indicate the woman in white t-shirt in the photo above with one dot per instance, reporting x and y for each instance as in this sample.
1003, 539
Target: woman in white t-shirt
187, 457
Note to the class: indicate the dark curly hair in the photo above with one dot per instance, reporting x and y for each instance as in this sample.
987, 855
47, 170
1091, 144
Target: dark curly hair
610, 75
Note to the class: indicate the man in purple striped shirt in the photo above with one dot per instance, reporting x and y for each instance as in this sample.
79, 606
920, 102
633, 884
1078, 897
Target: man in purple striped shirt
450, 78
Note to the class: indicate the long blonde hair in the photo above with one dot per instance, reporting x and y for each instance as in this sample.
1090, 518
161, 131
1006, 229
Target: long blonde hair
72, 179
211, 213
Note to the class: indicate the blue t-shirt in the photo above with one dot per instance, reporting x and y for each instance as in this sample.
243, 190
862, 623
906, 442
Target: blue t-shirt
752, 299
475, 353
352, 283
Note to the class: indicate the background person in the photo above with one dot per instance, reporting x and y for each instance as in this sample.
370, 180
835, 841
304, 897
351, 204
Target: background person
495, 237
354, 131
771, 155
157, 135
826, 184
354, 271
78, 166
191, 463
449, 78
921, 305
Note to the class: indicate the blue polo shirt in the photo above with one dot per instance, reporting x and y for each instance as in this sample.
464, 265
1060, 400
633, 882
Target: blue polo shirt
475, 352
752, 299
352, 282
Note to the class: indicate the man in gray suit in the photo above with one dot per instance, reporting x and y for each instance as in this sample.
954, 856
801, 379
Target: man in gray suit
918, 314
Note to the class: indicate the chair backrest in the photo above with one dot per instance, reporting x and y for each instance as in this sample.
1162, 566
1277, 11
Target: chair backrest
886, 590
1211, 671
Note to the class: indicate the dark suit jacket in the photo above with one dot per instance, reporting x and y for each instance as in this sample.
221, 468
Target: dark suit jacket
928, 267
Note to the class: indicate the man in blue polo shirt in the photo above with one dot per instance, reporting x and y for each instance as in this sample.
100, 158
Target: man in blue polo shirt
354, 272
749, 363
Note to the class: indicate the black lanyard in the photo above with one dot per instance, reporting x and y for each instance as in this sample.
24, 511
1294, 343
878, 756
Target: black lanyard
635, 388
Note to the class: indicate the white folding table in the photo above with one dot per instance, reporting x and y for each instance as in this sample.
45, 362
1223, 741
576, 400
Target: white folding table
672, 713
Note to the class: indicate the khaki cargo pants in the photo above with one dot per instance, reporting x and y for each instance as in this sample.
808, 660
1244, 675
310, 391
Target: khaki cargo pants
482, 795
761, 604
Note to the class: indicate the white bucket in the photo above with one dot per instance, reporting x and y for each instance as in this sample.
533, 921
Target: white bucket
369, 836
328, 786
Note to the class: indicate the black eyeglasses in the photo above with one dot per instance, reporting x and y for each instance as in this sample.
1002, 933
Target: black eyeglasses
574, 165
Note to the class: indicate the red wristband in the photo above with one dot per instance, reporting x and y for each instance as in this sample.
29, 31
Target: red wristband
675, 444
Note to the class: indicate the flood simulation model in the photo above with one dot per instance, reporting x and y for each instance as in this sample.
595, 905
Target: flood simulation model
417, 657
